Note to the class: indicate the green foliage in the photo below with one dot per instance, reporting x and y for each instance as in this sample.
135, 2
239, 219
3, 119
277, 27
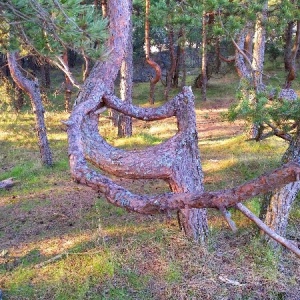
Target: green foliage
6, 92
264, 108
50, 27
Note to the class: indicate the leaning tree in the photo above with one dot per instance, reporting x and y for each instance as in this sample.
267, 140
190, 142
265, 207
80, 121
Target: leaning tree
177, 160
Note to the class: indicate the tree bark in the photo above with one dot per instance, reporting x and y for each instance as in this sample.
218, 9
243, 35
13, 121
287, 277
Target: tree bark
204, 57
291, 50
126, 72
68, 85
173, 62
18, 99
32, 89
288, 41
277, 205
149, 61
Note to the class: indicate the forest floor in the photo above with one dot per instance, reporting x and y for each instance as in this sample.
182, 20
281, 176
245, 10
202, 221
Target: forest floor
60, 240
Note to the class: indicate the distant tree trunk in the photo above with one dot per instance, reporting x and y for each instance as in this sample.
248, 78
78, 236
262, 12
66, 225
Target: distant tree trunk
288, 41
18, 99
149, 61
277, 205
104, 8
171, 71
183, 57
126, 72
204, 57
175, 79
218, 56
31, 87
291, 50
45, 79
68, 85
45, 75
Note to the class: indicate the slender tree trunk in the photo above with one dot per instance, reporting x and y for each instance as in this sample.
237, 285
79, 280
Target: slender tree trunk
18, 99
175, 78
258, 56
204, 57
32, 89
183, 58
173, 62
68, 85
149, 61
288, 41
290, 55
45, 75
125, 122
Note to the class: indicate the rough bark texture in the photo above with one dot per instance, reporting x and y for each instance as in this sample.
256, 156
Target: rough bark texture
32, 89
277, 205
125, 122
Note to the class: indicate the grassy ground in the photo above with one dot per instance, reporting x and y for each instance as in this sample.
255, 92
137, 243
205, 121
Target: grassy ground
60, 240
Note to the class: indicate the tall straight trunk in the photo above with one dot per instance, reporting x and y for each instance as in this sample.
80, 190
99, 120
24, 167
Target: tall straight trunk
173, 62
258, 55
183, 58
126, 71
175, 78
31, 87
204, 57
288, 41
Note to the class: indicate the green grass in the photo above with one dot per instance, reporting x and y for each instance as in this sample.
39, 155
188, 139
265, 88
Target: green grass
63, 241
